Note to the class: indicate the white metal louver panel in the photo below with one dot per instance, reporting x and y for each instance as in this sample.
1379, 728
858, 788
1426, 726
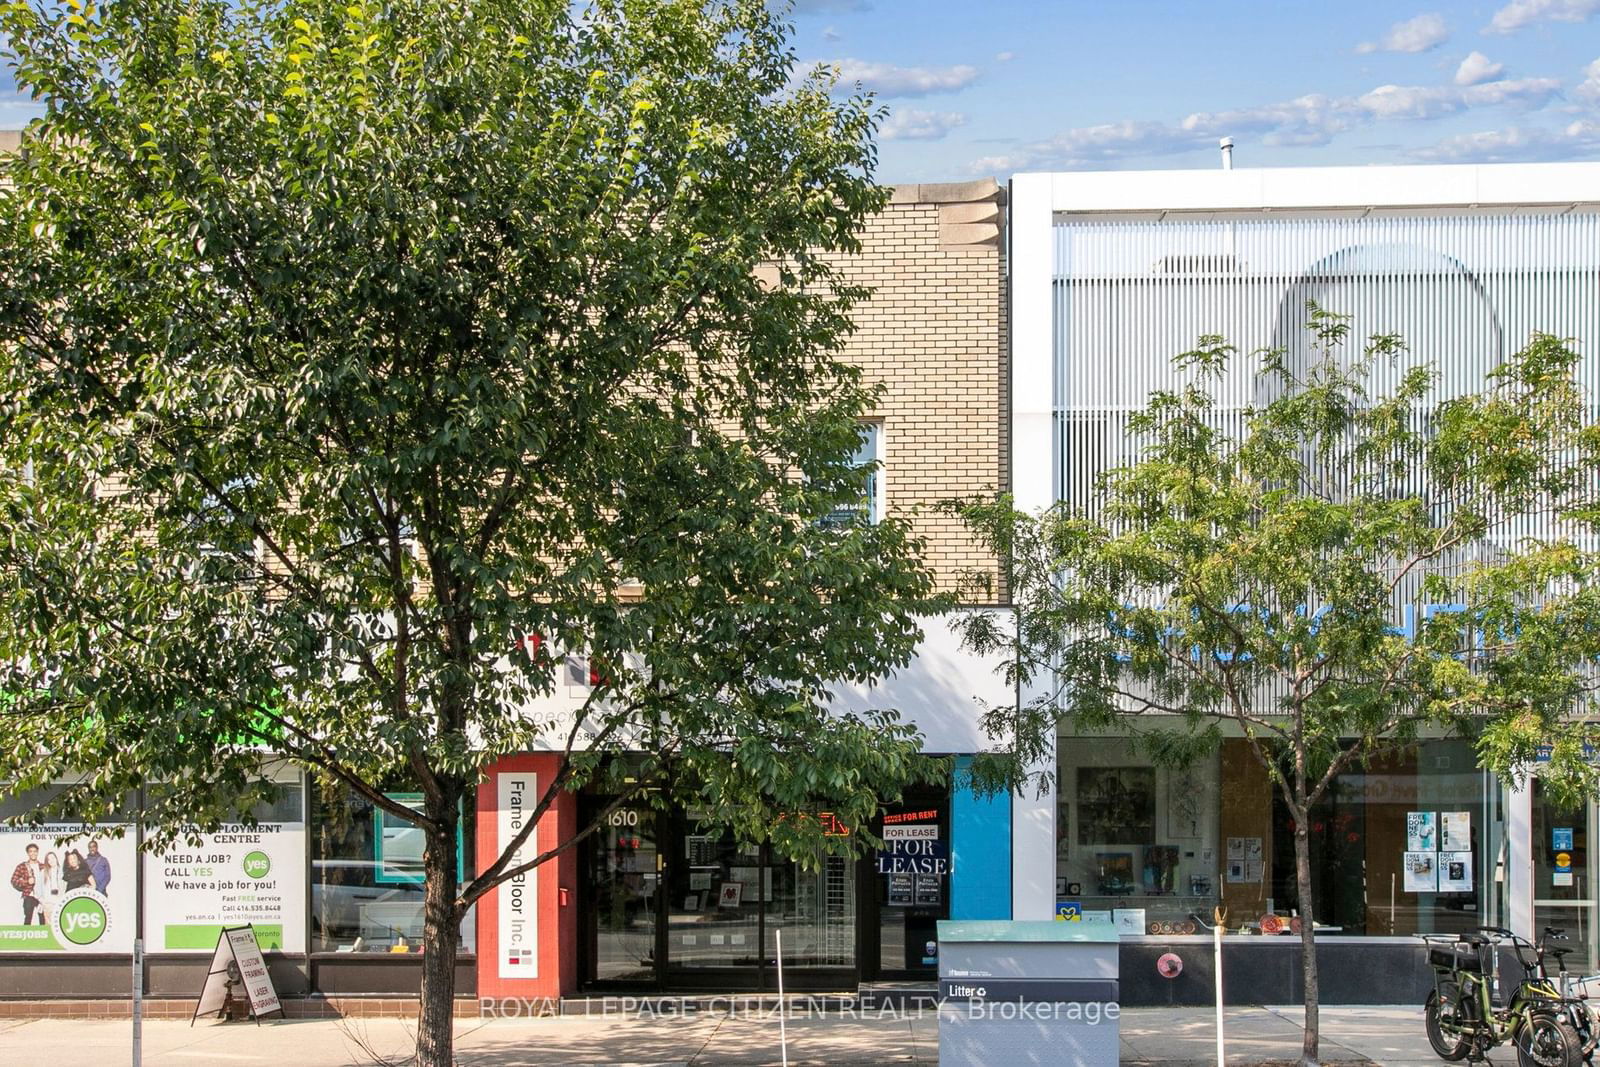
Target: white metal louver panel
1463, 289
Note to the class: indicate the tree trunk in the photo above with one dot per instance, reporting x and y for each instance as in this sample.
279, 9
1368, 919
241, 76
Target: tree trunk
440, 941
1308, 945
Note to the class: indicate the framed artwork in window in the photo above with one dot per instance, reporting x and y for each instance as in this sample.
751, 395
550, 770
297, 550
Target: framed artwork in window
1116, 805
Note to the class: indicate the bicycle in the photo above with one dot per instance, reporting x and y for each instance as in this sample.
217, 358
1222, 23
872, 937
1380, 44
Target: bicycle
1547, 1027
1573, 989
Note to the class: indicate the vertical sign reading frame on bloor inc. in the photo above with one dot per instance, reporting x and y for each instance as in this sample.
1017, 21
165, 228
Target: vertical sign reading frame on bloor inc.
517, 794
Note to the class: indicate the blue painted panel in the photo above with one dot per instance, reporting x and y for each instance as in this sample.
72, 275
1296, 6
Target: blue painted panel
980, 838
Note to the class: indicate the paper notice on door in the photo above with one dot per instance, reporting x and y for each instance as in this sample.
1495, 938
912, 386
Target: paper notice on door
1422, 872
1455, 832
1455, 872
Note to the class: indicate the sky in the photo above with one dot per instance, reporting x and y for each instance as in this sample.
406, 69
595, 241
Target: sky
995, 87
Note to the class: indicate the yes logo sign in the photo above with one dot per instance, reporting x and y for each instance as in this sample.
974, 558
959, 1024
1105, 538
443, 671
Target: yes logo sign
81, 919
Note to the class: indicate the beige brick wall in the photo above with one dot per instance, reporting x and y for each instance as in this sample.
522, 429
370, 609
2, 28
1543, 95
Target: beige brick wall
934, 334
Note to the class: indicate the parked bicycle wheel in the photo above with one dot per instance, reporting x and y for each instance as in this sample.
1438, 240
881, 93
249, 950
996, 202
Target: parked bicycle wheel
1446, 1046
1549, 1042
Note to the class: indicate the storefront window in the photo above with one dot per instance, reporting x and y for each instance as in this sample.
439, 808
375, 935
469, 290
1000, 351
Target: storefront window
816, 910
366, 879
1405, 845
727, 901
1135, 838
1409, 843
912, 876
714, 910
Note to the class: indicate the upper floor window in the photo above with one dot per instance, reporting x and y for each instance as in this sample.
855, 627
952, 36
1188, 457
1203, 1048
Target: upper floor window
868, 458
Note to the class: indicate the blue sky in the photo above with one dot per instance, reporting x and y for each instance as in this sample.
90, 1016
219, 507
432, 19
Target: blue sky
998, 86
992, 87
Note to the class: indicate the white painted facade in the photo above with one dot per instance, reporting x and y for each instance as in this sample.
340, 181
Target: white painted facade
1472, 257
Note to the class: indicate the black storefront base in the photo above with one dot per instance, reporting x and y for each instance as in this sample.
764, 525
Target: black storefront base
328, 974
1257, 970
1266, 970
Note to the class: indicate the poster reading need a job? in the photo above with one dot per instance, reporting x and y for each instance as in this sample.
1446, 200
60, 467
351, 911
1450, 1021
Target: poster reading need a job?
240, 874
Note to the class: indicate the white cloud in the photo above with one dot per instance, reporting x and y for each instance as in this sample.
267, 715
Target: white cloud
1004, 57
1516, 92
1413, 35
1589, 88
911, 124
1305, 120
1091, 145
888, 80
1577, 139
1476, 68
1519, 13
1431, 102
1313, 119
831, 34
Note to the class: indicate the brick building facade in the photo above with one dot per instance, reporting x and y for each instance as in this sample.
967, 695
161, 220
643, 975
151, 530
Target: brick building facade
934, 335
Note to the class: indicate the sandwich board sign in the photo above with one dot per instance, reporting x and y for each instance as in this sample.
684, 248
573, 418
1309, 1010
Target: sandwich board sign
237, 960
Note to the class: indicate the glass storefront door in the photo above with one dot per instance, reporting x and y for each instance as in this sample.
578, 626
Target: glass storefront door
624, 879
911, 885
1564, 873
669, 904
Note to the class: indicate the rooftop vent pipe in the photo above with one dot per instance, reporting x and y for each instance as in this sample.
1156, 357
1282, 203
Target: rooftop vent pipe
1226, 144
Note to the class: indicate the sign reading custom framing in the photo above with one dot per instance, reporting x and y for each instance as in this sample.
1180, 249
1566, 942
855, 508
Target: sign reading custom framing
72, 897
517, 916
237, 960
239, 875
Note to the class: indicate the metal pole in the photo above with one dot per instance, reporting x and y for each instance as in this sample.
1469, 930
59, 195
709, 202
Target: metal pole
1221, 915
783, 1005
138, 996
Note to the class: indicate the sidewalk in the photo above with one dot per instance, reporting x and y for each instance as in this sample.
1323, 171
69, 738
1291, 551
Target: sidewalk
1383, 1035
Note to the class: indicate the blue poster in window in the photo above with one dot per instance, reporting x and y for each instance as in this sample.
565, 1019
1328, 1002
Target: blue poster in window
1561, 838
397, 844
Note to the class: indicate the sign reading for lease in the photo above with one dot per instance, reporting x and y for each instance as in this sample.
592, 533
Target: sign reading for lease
517, 793
913, 849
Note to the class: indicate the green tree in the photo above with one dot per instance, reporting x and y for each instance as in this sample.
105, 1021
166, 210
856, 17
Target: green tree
1249, 568
362, 360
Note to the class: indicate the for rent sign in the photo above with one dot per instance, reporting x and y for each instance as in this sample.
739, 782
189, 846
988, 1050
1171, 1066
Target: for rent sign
913, 848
